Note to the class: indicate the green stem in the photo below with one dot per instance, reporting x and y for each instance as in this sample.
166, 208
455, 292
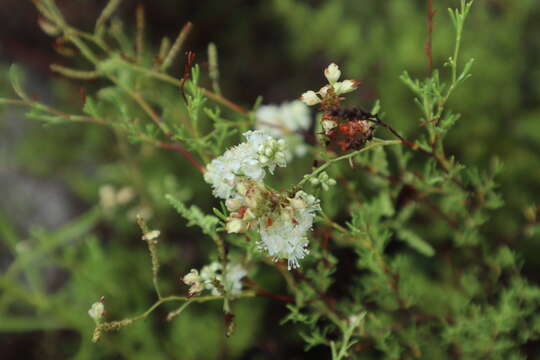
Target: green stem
171, 80
344, 157
41, 106
175, 298
459, 30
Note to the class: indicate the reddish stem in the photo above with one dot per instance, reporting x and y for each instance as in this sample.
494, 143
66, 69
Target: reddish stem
429, 42
262, 292
178, 148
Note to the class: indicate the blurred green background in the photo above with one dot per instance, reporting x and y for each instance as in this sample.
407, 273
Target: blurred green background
71, 251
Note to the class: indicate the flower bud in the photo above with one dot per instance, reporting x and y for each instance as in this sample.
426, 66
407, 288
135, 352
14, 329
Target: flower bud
48, 27
328, 125
97, 310
324, 90
191, 277
194, 280
233, 204
346, 86
252, 200
297, 203
107, 197
234, 226
151, 235
310, 98
322, 180
332, 73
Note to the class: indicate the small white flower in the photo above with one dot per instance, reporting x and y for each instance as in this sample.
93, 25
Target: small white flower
97, 310
310, 98
233, 283
324, 90
235, 226
110, 198
233, 204
297, 203
332, 73
195, 281
313, 204
235, 274
286, 121
346, 86
151, 235
107, 197
328, 125
253, 195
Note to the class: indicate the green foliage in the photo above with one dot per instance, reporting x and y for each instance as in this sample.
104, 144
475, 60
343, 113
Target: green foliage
195, 216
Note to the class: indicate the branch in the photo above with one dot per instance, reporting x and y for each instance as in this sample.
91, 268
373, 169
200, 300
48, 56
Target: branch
347, 156
41, 106
117, 325
182, 151
429, 42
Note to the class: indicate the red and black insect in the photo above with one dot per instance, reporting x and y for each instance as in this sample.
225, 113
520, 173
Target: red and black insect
354, 128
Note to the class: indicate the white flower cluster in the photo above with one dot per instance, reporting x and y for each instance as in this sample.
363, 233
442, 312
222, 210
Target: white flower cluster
286, 121
283, 234
282, 222
332, 74
248, 159
212, 274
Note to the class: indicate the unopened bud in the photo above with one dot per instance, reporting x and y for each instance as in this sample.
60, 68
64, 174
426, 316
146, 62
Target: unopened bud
151, 235
332, 73
328, 125
297, 203
346, 86
97, 310
194, 280
324, 90
310, 98
233, 204
49, 28
234, 226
